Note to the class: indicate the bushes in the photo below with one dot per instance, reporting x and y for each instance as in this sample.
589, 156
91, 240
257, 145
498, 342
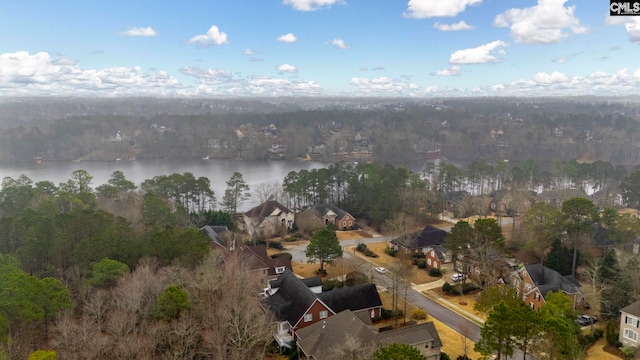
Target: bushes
591, 338
330, 284
282, 255
390, 314
455, 290
446, 287
421, 263
419, 314
390, 251
612, 334
435, 272
356, 278
363, 249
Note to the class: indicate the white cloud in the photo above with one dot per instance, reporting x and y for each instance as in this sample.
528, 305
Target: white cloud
452, 71
140, 32
286, 68
561, 60
311, 5
248, 52
543, 23
213, 37
339, 43
460, 25
384, 85
22, 73
287, 38
631, 24
208, 76
420, 9
479, 55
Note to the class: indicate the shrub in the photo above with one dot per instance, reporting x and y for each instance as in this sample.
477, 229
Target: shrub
463, 357
444, 356
276, 245
385, 313
390, 251
419, 314
435, 272
446, 287
356, 278
597, 333
329, 284
418, 256
628, 352
612, 335
421, 263
282, 255
361, 247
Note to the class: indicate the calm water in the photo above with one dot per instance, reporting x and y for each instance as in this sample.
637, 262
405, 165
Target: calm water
218, 171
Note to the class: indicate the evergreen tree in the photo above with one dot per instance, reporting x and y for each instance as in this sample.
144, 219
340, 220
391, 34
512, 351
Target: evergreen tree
237, 191
324, 247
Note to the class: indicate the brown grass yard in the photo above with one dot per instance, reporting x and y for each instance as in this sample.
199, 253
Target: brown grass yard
464, 302
350, 235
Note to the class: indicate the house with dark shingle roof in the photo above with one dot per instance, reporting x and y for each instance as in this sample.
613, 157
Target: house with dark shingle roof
218, 236
630, 325
298, 303
420, 242
321, 215
268, 219
534, 282
265, 267
321, 340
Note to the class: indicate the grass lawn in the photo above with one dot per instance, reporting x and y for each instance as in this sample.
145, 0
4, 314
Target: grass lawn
465, 302
309, 270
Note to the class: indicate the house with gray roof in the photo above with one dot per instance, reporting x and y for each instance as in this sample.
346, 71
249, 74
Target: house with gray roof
420, 242
534, 282
321, 215
325, 338
630, 325
298, 303
268, 218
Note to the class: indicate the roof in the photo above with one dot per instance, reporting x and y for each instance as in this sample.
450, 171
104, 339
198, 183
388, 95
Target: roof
429, 236
633, 309
441, 252
260, 259
321, 338
411, 335
323, 209
292, 299
547, 279
214, 233
351, 298
266, 209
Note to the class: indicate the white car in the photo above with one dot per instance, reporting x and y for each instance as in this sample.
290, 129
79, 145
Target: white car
458, 277
380, 269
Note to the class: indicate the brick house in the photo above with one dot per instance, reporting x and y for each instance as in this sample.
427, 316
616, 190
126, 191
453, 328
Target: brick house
269, 218
534, 282
322, 215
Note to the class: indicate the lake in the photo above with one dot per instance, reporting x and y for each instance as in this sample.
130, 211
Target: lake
255, 173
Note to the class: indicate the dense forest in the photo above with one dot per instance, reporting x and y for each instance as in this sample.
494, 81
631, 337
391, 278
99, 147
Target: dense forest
390, 131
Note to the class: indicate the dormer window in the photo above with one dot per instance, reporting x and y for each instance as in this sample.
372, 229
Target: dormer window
280, 269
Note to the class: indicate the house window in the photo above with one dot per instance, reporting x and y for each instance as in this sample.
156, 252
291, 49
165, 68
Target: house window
344, 223
350, 223
532, 306
435, 264
308, 317
629, 320
429, 262
280, 269
537, 296
324, 314
631, 335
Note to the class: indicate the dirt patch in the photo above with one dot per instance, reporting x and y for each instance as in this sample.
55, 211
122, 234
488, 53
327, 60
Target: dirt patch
309, 270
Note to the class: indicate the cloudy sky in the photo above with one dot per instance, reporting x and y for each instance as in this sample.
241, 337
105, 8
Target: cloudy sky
419, 48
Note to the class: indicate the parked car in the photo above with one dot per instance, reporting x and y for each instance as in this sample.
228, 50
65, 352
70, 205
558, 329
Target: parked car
584, 320
380, 269
458, 277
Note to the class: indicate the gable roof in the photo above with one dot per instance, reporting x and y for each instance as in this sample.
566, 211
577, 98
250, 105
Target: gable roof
411, 335
215, 234
428, 237
324, 209
352, 298
320, 339
547, 279
266, 209
260, 260
292, 299
633, 309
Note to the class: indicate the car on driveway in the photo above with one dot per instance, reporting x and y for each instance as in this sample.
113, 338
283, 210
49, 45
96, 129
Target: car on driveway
458, 277
380, 269
584, 320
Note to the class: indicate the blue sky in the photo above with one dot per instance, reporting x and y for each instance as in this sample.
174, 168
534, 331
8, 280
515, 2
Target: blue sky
417, 48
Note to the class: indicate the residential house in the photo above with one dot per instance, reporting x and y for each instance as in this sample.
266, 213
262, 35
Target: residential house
298, 303
534, 282
420, 242
557, 196
321, 340
268, 219
322, 215
265, 267
630, 325
439, 257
